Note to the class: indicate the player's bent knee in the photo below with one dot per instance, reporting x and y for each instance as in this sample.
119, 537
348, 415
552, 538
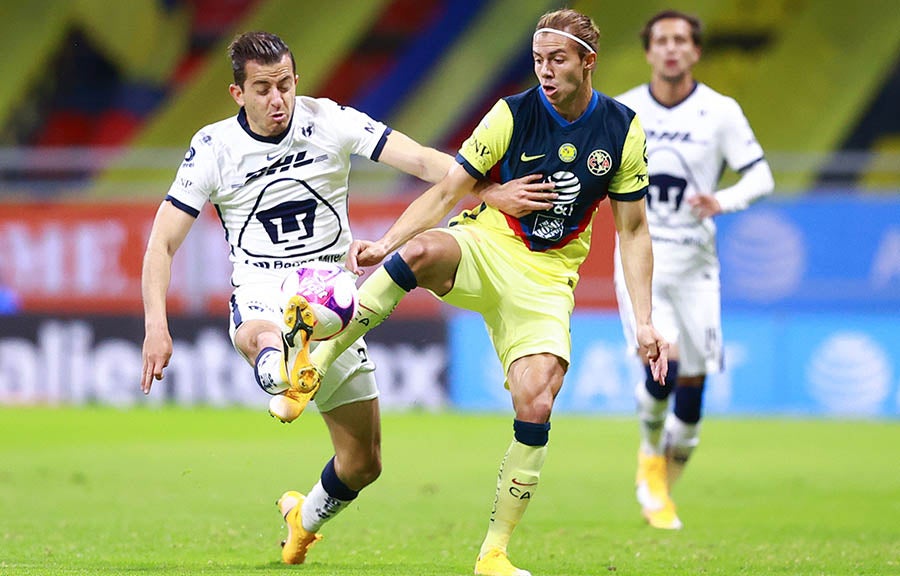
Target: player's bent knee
417, 252
362, 469
364, 473
254, 335
538, 410
430, 248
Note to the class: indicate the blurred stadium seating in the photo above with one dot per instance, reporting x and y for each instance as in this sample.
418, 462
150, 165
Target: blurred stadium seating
100, 100
127, 86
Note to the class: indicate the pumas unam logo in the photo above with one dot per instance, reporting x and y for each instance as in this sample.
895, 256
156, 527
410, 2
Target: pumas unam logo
567, 152
599, 162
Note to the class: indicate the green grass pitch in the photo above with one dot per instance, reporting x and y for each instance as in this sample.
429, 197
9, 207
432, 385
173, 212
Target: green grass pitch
173, 491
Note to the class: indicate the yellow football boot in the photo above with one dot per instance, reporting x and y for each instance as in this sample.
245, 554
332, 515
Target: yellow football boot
297, 370
653, 492
299, 541
495, 562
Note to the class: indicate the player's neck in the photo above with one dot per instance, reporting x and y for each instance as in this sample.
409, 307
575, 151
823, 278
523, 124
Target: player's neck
572, 109
672, 92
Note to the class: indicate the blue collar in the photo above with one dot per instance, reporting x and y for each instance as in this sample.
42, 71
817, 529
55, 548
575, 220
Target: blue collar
556, 115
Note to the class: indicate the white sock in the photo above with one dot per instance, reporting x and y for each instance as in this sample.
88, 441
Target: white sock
651, 416
319, 508
269, 371
681, 439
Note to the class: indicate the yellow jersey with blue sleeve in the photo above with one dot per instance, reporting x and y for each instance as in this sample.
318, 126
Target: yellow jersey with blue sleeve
600, 154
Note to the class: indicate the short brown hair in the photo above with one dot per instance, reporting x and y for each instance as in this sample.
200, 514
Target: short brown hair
693, 21
261, 47
575, 23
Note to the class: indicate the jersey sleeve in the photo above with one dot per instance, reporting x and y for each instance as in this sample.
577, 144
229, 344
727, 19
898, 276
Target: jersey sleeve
197, 177
489, 142
356, 131
739, 145
630, 182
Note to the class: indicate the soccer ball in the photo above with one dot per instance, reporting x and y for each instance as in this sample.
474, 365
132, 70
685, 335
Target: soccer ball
330, 290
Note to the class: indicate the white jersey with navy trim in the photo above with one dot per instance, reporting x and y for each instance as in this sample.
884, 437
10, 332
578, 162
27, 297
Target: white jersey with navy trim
282, 201
688, 146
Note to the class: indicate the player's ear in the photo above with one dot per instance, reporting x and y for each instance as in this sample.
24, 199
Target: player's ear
590, 61
237, 93
696, 56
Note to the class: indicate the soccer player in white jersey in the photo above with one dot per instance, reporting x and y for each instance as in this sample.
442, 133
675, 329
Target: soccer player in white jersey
692, 132
277, 174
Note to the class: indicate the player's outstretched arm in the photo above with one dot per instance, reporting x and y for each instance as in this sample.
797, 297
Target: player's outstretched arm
405, 154
637, 266
170, 227
424, 213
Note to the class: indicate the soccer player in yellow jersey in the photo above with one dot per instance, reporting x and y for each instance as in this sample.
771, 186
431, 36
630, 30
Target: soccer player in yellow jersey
519, 268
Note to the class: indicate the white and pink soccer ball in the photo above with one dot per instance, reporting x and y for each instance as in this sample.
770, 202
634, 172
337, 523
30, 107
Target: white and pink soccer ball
330, 290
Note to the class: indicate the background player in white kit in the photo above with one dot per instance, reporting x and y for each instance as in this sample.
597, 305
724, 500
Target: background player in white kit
692, 131
277, 174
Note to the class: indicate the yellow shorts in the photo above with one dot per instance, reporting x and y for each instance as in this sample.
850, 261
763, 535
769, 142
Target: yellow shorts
526, 298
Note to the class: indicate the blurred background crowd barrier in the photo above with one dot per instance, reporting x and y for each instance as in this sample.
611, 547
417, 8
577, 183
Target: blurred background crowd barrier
100, 101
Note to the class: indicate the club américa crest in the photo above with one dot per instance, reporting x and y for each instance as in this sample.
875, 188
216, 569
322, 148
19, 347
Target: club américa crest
599, 162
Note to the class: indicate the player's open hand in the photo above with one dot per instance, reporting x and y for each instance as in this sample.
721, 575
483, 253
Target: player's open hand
521, 196
156, 352
655, 349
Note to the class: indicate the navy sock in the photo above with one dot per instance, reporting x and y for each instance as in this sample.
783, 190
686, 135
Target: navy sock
333, 485
655, 389
689, 403
531, 434
400, 272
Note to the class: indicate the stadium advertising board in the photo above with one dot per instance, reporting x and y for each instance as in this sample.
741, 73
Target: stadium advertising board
87, 258
97, 360
811, 299
813, 253
805, 364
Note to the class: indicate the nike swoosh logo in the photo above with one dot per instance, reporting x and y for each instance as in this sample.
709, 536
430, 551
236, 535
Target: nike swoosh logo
526, 158
516, 482
273, 156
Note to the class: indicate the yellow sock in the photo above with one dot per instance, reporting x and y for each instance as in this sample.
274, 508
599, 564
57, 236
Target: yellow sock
516, 485
378, 296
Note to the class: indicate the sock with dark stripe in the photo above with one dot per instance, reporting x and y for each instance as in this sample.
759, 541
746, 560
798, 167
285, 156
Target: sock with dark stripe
520, 472
326, 499
378, 296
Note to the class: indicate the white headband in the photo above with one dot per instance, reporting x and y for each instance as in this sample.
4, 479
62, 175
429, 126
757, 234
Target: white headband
567, 35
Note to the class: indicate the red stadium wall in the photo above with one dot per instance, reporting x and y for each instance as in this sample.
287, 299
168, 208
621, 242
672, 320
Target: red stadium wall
62, 257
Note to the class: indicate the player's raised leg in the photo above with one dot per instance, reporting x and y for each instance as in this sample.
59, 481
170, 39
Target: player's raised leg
378, 296
299, 321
